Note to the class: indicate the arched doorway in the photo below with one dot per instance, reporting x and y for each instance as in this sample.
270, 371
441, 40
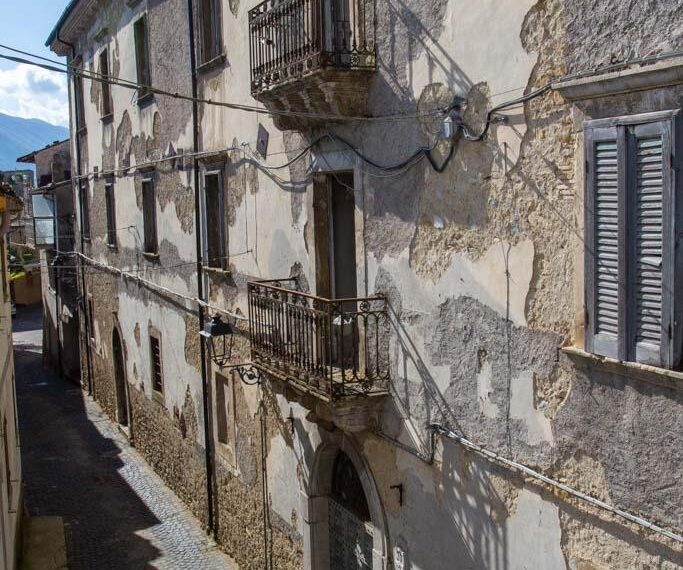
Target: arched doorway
348, 520
120, 379
347, 528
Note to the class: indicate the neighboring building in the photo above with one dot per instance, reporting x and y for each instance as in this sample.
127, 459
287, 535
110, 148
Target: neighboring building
53, 218
21, 182
10, 460
416, 279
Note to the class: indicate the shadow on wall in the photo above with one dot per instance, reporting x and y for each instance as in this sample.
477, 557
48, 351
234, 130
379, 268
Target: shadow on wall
71, 470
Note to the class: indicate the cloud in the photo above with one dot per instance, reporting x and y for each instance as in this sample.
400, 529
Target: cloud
32, 92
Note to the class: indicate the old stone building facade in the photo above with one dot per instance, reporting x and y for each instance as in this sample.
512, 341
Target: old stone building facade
445, 238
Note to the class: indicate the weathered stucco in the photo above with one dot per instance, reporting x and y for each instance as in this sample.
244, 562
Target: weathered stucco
481, 266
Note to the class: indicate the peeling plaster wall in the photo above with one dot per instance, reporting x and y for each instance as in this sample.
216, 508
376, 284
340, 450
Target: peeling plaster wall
168, 431
482, 267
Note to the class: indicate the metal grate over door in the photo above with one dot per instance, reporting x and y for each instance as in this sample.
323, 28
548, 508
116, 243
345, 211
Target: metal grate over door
350, 539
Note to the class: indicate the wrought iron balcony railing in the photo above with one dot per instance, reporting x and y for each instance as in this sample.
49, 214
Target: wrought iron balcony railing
289, 38
332, 348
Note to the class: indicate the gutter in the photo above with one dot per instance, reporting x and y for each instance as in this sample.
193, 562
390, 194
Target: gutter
206, 399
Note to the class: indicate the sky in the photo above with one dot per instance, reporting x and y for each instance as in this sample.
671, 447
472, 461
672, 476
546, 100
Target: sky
27, 91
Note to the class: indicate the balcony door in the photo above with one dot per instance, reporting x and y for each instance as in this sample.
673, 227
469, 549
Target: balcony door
335, 236
336, 273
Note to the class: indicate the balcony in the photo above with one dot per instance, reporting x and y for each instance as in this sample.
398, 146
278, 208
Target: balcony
312, 57
332, 356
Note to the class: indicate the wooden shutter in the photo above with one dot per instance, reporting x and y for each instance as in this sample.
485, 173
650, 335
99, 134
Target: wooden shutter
604, 260
649, 227
142, 55
111, 213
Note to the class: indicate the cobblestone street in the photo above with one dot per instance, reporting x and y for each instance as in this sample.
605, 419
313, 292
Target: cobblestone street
117, 512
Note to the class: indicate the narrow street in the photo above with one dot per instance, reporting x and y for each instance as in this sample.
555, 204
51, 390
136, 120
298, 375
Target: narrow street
117, 512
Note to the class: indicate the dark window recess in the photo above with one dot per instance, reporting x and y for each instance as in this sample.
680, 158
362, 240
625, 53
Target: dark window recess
51, 270
215, 226
142, 57
632, 220
222, 413
45, 180
149, 216
210, 30
106, 87
85, 210
91, 318
155, 355
110, 205
80, 110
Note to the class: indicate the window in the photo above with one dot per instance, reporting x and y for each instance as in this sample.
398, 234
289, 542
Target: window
222, 413
110, 206
85, 210
80, 109
216, 242
632, 220
149, 216
210, 30
3, 270
91, 319
142, 57
43, 206
155, 361
106, 87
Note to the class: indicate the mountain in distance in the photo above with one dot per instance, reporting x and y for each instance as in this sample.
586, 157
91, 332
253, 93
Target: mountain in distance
19, 137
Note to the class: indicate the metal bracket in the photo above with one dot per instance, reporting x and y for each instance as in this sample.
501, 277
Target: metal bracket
247, 372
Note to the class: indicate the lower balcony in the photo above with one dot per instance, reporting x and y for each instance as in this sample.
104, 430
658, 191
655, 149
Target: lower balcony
331, 355
312, 57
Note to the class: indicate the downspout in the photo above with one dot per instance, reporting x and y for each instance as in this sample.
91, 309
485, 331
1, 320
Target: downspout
84, 304
208, 432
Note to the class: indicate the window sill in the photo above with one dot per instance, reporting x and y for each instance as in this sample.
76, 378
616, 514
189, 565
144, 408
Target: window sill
82, 131
158, 397
112, 247
106, 119
146, 99
218, 271
634, 370
151, 256
217, 61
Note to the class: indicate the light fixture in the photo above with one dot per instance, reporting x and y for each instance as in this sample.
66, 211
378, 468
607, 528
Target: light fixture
219, 336
216, 333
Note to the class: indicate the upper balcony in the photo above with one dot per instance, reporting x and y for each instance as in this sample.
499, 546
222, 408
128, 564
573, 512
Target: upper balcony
333, 353
312, 56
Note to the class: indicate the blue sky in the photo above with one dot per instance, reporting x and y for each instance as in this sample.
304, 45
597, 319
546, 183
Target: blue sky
27, 91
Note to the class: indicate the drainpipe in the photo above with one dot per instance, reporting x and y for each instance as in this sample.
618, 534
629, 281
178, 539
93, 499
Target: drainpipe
84, 304
208, 431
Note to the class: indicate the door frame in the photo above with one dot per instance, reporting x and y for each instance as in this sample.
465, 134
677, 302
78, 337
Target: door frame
116, 328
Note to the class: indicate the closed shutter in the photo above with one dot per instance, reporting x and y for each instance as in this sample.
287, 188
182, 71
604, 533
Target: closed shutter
647, 217
603, 268
634, 239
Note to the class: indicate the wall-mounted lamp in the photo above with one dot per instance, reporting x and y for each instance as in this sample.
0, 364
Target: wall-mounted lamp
219, 340
219, 337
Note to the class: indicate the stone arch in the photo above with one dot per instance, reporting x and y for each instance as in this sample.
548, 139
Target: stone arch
120, 381
317, 504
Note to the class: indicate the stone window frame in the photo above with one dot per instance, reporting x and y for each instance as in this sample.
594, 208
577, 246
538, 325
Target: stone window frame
158, 395
107, 100
215, 166
622, 347
79, 96
212, 55
227, 449
142, 59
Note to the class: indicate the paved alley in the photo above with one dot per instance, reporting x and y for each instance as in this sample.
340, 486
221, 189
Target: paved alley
117, 512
